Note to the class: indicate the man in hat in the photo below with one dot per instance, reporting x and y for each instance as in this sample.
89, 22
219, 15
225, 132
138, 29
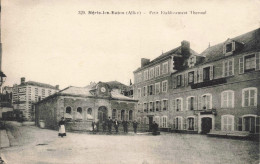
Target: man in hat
135, 125
109, 124
116, 125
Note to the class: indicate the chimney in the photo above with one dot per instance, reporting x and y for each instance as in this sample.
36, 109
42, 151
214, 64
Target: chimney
185, 48
144, 62
57, 87
22, 80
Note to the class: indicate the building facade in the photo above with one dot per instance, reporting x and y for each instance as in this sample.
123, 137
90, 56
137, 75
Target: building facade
81, 106
27, 93
217, 90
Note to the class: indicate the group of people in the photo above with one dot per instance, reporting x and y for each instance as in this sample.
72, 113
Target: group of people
110, 123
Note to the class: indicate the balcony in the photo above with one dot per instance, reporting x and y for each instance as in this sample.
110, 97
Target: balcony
209, 83
206, 111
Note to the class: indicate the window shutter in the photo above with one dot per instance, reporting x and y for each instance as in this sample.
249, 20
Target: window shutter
174, 104
195, 103
211, 72
187, 103
223, 69
119, 114
184, 124
153, 89
200, 74
181, 104
195, 123
199, 103
186, 78
257, 60
241, 65
183, 79
174, 85
233, 46
160, 119
195, 76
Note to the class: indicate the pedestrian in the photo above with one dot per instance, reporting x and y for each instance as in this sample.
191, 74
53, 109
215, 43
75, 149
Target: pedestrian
97, 126
135, 124
62, 131
155, 128
109, 124
116, 125
125, 125
93, 126
104, 126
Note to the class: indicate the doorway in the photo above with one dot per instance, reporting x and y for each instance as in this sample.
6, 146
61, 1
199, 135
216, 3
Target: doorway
206, 125
102, 114
150, 123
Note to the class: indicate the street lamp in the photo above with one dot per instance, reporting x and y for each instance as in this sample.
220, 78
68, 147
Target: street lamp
2, 78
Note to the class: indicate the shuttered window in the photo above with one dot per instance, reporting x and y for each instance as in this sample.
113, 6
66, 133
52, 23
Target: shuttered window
227, 99
249, 97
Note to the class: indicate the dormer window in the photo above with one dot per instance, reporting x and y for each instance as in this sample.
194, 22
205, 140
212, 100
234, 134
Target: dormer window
229, 47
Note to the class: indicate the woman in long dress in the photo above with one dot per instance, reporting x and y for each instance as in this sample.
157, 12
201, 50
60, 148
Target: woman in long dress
62, 131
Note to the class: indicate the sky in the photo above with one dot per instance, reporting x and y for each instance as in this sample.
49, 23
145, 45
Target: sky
49, 42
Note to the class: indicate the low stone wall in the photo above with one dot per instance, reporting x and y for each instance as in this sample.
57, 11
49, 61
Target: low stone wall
79, 126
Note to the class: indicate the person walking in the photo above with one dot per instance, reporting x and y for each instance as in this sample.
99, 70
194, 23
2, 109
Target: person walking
109, 124
93, 126
104, 126
135, 124
62, 131
116, 125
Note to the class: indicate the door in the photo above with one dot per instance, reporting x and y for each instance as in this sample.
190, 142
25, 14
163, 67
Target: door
249, 124
102, 114
206, 125
150, 123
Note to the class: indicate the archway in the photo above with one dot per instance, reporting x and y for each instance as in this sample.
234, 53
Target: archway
102, 114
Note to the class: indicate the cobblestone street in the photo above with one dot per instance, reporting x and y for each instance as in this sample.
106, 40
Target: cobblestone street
43, 146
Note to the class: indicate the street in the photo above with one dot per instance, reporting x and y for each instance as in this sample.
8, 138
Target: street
44, 146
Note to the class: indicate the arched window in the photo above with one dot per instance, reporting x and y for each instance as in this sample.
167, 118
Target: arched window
178, 104
130, 115
190, 123
68, 110
205, 102
191, 103
79, 110
178, 123
90, 111
122, 114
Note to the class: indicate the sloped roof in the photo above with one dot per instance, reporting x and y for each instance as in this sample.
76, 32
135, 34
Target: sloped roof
165, 55
116, 95
77, 91
250, 41
33, 83
116, 84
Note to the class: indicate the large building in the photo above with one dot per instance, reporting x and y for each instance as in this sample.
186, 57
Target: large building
81, 106
153, 83
27, 93
217, 90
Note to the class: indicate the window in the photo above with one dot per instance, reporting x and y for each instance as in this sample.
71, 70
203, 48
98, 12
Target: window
227, 99
251, 123
164, 121
228, 47
114, 114
191, 77
157, 71
122, 114
90, 111
164, 86
151, 73
145, 91
191, 103
165, 68
165, 104
151, 106
139, 92
227, 123
146, 75
191, 61
151, 91
68, 110
177, 104
179, 78
79, 110
249, 63
228, 67
190, 122
158, 105
206, 72
249, 97
130, 115
157, 88
145, 107
178, 123
205, 102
